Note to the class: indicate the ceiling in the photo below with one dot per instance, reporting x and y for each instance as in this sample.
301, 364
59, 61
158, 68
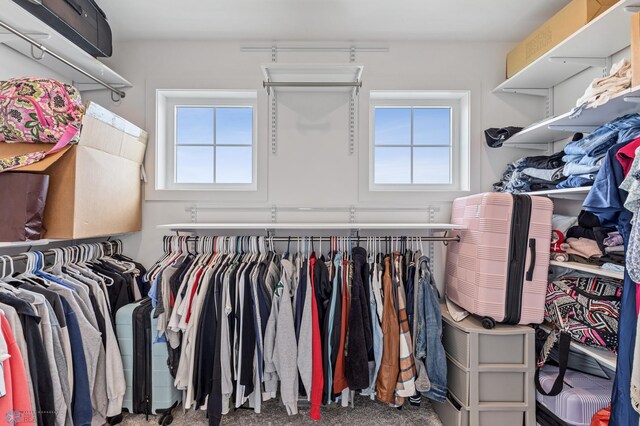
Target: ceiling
327, 20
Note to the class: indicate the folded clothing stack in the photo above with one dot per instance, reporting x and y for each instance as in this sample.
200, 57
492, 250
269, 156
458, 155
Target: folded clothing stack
604, 88
587, 242
532, 174
560, 225
584, 156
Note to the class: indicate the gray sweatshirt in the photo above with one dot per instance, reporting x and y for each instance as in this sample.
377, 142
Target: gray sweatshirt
284, 358
305, 355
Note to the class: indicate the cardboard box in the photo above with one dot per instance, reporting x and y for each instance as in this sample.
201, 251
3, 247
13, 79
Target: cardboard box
560, 26
635, 49
94, 186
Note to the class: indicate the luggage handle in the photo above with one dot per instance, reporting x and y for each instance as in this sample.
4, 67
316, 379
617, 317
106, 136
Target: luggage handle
75, 6
563, 360
532, 264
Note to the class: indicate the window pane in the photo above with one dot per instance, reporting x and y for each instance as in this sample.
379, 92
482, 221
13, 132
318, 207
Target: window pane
393, 165
234, 164
432, 126
431, 165
234, 126
393, 126
194, 126
194, 164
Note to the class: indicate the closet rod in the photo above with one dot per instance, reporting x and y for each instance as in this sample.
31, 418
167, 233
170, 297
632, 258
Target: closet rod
110, 245
354, 239
44, 50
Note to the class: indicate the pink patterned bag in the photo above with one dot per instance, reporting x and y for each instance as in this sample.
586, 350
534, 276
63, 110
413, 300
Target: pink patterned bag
38, 110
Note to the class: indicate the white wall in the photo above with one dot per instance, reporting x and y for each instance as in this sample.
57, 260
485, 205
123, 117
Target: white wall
312, 166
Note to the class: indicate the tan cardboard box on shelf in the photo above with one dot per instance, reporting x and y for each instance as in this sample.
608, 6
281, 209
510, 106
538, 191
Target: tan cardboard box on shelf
635, 50
560, 26
94, 186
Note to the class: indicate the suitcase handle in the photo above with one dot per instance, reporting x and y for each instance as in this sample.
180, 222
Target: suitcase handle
75, 6
532, 264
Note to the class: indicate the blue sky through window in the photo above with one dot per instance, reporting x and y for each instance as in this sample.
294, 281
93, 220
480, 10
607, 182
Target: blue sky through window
412, 145
212, 130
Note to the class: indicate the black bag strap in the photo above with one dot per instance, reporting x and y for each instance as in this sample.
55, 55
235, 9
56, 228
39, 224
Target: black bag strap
564, 341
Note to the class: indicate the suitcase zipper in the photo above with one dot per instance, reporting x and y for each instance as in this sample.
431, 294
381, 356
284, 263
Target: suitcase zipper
148, 356
517, 257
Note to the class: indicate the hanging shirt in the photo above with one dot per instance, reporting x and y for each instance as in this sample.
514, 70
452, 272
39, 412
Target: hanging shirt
16, 402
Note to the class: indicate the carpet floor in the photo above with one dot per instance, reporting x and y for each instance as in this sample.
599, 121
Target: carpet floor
365, 412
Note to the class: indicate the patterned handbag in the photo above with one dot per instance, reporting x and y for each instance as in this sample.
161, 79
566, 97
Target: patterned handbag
38, 110
587, 308
584, 309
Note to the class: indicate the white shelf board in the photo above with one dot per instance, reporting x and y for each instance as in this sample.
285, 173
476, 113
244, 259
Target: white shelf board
563, 126
595, 117
19, 18
607, 34
310, 226
535, 134
603, 356
562, 192
592, 269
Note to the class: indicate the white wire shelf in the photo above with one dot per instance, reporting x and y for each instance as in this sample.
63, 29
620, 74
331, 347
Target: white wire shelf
16, 244
310, 226
312, 77
603, 356
592, 269
47, 241
17, 17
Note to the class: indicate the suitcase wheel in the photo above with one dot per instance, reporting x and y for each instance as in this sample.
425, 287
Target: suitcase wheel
115, 419
488, 323
166, 419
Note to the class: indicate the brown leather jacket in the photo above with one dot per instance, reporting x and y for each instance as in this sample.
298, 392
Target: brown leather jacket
390, 363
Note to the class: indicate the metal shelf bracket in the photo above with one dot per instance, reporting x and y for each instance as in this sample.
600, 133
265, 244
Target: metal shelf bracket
581, 60
575, 128
524, 91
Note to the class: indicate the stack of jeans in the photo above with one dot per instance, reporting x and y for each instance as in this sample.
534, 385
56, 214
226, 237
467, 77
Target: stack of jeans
584, 156
532, 174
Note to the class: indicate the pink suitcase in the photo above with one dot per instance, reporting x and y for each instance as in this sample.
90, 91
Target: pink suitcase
499, 268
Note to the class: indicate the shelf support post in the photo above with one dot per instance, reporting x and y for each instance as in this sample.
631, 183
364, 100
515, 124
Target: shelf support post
273, 131
431, 219
194, 214
274, 211
548, 103
352, 108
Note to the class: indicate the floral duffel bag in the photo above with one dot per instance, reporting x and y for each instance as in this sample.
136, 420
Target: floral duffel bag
38, 110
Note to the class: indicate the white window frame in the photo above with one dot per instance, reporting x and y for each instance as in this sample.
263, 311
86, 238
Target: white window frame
167, 102
459, 103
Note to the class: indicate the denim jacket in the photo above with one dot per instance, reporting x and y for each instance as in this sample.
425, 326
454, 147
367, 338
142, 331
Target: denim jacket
429, 346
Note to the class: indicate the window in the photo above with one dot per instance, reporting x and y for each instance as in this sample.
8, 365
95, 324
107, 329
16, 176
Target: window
419, 140
206, 140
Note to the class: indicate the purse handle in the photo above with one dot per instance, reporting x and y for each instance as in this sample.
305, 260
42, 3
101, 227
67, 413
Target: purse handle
564, 342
